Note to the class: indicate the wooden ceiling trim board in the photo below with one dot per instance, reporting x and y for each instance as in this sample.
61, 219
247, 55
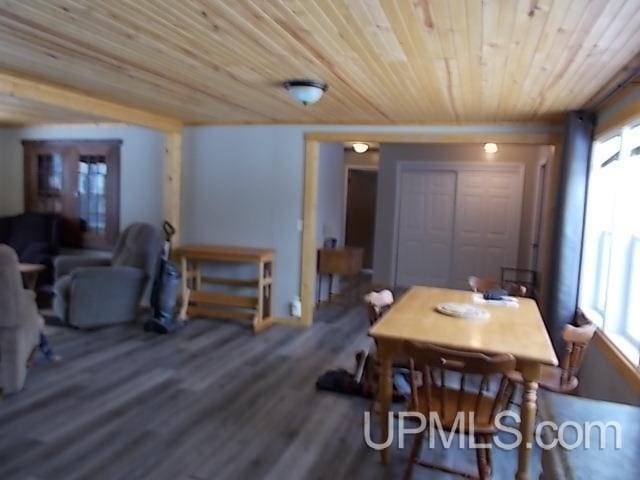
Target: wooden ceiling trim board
537, 17
422, 77
460, 35
76, 101
474, 49
358, 38
336, 74
19, 111
574, 49
419, 19
378, 28
448, 69
604, 31
446, 65
544, 138
500, 51
627, 43
381, 71
414, 74
401, 72
554, 41
432, 43
511, 82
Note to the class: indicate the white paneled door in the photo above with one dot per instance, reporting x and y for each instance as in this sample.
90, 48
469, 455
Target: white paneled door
459, 222
425, 240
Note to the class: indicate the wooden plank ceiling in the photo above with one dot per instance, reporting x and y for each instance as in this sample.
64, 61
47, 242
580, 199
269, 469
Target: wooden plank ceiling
386, 61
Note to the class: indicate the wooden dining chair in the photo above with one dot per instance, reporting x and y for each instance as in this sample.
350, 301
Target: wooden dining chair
378, 303
482, 284
564, 378
453, 382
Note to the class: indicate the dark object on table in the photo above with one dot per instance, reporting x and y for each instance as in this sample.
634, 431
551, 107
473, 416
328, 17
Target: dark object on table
495, 294
36, 239
166, 288
96, 291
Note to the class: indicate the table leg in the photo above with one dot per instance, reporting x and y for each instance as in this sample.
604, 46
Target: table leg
531, 375
259, 310
385, 390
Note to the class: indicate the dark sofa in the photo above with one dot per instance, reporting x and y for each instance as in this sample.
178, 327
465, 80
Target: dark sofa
36, 239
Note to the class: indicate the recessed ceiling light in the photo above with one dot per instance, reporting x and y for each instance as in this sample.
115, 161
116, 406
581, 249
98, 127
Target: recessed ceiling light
490, 147
306, 92
360, 147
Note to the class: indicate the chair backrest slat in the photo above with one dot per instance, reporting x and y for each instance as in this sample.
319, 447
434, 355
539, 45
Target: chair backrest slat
426, 358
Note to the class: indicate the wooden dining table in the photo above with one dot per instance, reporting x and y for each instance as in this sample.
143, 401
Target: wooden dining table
517, 331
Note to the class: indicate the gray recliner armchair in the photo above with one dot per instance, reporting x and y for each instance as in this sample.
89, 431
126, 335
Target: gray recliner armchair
20, 323
92, 292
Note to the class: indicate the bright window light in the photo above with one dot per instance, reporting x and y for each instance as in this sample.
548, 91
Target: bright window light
610, 274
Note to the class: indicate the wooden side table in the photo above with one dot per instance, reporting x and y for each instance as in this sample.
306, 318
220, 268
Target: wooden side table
30, 272
344, 261
198, 301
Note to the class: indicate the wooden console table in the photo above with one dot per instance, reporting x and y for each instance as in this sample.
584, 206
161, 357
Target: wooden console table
344, 261
207, 303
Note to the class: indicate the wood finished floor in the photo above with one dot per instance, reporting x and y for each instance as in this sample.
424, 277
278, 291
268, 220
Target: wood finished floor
212, 402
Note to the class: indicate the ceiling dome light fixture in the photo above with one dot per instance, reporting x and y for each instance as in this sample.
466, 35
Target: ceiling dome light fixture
360, 147
306, 92
490, 147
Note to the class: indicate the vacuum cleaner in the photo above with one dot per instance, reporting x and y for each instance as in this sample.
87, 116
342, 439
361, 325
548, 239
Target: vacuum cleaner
165, 291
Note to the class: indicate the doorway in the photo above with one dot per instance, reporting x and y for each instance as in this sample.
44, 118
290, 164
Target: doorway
360, 211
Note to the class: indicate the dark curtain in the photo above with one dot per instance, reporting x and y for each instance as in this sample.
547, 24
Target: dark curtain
566, 248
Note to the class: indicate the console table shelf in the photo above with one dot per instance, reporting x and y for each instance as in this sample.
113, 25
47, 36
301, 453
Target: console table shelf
198, 301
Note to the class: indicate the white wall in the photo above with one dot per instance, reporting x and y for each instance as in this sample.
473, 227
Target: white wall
386, 208
330, 204
141, 166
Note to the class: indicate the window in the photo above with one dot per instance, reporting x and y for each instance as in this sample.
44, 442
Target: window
610, 278
78, 180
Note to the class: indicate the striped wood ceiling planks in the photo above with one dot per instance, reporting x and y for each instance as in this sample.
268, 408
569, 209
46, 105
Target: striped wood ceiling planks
386, 61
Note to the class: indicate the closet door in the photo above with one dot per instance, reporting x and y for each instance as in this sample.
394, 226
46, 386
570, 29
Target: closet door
487, 226
425, 235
